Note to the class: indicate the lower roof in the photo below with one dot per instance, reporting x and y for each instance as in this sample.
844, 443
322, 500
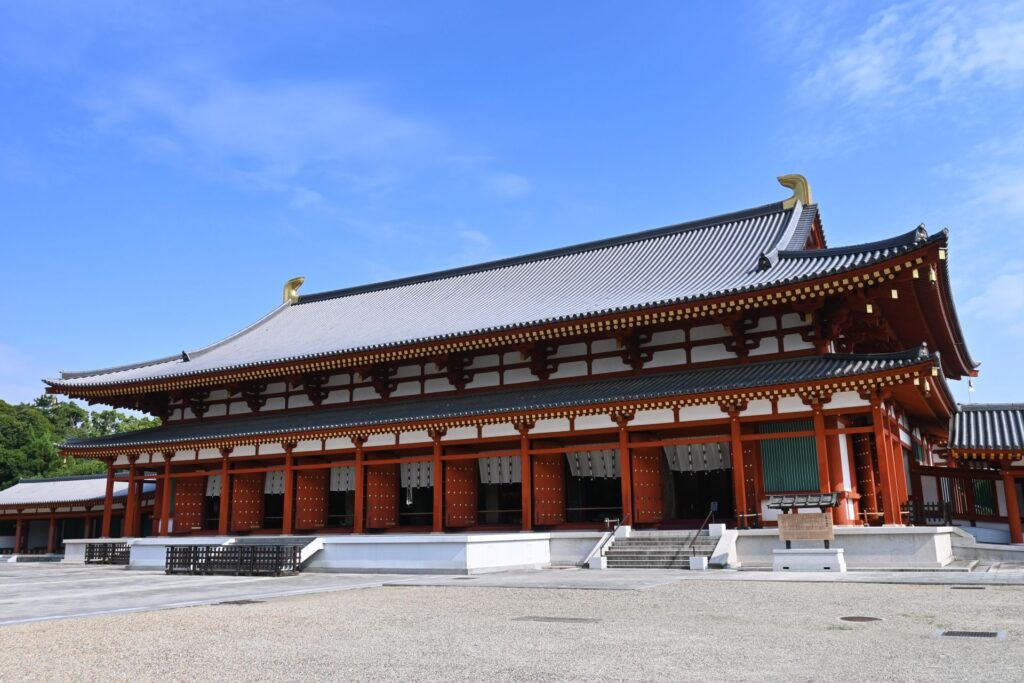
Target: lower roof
988, 427
63, 491
812, 369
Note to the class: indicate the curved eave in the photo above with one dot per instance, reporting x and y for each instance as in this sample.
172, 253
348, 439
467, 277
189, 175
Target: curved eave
915, 374
699, 307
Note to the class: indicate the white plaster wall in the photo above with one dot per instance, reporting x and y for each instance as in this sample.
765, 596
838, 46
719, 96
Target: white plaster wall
694, 413
767, 346
574, 369
543, 426
794, 342
707, 332
761, 406
504, 429
518, 376
650, 417
792, 404
420, 436
584, 422
459, 433
611, 364
667, 357
712, 352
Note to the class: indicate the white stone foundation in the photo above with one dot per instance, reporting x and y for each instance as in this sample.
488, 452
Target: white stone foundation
809, 560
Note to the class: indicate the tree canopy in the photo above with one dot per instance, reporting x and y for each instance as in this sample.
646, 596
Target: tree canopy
31, 432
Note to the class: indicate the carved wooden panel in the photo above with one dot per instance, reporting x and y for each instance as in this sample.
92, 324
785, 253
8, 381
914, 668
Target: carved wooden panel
648, 501
460, 492
548, 489
189, 497
311, 499
246, 502
381, 496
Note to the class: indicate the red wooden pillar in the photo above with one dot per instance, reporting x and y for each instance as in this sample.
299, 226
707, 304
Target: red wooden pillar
108, 500
626, 468
438, 520
821, 446
890, 508
526, 469
288, 521
51, 535
88, 524
224, 521
19, 533
359, 522
841, 513
1012, 505
739, 484
131, 511
167, 490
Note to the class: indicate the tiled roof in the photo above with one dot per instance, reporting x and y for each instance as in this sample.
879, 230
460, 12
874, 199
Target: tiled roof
726, 254
987, 427
64, 490
547, 397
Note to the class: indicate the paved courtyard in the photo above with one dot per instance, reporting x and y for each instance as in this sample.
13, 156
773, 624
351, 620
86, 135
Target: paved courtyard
656, 625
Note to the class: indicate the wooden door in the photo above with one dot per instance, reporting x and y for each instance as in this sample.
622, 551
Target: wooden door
460, 493
311, 498
382, 496
246, 501
548, 489
648, 502
189, 497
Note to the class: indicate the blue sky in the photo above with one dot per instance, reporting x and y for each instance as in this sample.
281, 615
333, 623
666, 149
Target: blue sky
165, 167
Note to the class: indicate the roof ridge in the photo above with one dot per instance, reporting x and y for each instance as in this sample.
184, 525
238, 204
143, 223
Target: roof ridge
764, 210
43, 480
978, 407
912, 238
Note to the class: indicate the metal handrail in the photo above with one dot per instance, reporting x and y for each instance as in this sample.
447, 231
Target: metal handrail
604, 541
711, 513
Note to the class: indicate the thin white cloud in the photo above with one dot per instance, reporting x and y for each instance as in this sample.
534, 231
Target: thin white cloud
267, 134
934, 51
1002, 301
510, 185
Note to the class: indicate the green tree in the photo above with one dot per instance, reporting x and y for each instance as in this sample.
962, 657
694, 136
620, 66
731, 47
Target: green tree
31, 433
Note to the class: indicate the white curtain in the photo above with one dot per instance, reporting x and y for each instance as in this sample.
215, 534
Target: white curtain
213, 485
415, 475
274, 483
698, 457
594, 464
343, 478
502, 469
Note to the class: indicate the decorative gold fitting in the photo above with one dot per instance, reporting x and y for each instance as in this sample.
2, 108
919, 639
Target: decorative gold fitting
801, 189
291, 289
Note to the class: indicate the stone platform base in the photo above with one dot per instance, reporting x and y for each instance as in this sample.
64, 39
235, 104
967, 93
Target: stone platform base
423, 553
809, 560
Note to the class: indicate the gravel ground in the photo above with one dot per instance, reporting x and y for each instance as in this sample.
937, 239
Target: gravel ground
686, 631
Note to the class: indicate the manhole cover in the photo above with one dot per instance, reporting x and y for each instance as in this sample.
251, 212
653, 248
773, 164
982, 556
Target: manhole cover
973, 634
240, 602
559, 620
860, 619
967, 588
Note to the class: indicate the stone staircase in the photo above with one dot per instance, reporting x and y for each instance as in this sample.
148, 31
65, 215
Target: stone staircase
659, 549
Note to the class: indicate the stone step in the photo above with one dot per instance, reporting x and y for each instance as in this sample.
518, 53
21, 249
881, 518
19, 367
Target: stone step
649, 565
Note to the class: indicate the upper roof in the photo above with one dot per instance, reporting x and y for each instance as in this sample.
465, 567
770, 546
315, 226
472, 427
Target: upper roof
64, 490
805, 370
731, 253
988, 427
